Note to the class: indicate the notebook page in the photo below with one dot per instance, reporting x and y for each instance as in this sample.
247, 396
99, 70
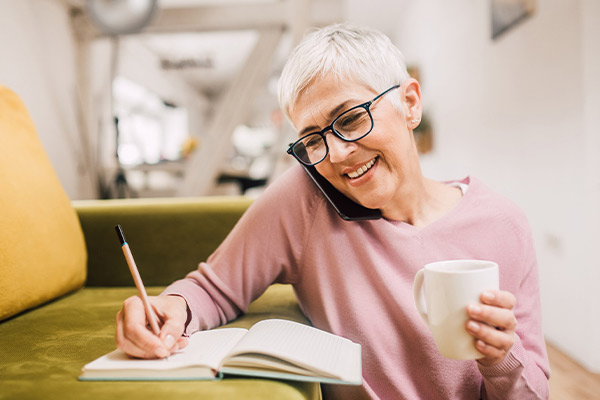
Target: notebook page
305, 346
205, 348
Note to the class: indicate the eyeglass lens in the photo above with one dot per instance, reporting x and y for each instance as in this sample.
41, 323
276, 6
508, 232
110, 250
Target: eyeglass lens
351, 125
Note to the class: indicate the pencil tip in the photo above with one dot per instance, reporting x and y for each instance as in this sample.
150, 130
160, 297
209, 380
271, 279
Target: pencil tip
120, 234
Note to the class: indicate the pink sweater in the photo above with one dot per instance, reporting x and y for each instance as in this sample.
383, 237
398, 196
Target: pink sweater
355, 279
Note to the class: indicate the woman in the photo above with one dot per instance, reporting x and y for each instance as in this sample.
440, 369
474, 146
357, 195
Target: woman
347, 93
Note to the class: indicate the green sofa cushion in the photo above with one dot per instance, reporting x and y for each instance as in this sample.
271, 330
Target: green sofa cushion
43, 351
42, 251
168, 237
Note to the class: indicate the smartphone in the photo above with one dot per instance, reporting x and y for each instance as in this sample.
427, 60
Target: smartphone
346, 208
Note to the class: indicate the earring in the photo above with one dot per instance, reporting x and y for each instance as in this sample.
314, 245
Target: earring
415, 121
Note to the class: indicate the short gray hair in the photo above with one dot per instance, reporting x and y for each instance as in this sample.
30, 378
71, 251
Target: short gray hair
349, 52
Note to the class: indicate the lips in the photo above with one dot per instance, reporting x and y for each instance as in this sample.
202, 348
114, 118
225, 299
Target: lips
361, 170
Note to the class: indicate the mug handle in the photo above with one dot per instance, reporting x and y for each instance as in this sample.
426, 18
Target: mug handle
419, 297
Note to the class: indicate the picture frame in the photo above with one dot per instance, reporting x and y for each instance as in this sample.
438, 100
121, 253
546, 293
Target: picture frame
505, 14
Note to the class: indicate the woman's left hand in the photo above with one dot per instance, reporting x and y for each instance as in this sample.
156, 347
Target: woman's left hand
492, 323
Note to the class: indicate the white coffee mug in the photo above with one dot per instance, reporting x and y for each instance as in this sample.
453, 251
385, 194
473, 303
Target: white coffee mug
449, 287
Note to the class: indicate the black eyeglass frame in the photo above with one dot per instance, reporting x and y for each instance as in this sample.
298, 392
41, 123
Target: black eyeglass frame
331, 128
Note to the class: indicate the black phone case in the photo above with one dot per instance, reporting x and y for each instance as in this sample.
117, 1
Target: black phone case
346, 208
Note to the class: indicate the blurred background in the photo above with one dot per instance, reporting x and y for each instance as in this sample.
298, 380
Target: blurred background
136, 98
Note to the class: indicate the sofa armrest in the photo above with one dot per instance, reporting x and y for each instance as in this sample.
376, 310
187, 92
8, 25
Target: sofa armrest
168, 237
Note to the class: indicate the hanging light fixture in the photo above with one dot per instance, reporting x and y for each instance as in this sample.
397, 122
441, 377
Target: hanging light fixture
118, 17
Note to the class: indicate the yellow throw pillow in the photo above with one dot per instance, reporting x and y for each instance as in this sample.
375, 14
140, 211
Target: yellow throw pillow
42, 250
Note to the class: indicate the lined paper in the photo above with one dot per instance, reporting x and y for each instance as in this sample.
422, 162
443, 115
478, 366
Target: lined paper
305, 346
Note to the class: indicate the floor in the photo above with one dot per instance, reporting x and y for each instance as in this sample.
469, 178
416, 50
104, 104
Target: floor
570, 380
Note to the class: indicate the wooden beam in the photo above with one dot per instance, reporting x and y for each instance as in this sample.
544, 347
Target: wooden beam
219, 18
208, 18
294, 15
203, 169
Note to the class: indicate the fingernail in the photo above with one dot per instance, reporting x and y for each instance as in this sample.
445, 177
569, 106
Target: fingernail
161, 352
474, 309
169, 341
473, 326
487, 295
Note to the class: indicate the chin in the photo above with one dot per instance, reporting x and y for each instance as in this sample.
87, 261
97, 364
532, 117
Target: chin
364, 197
375, 199
368, 203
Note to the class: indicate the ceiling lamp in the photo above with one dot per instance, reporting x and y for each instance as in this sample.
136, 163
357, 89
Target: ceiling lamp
117, 17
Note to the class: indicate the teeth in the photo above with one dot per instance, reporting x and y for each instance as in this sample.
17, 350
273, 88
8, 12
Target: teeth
361, 170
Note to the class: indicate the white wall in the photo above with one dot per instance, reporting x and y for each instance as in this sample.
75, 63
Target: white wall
37, 61
591, 77
521, 112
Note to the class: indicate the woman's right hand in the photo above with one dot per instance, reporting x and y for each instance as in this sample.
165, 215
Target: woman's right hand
133, 335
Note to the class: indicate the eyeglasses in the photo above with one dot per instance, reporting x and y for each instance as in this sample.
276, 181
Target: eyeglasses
350, 126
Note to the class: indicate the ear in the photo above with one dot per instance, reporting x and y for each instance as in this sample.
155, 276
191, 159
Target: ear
412, 102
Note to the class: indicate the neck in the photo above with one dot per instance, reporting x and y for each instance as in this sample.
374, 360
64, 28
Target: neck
422, 202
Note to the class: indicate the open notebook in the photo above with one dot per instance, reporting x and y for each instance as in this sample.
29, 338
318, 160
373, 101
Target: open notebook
272, 348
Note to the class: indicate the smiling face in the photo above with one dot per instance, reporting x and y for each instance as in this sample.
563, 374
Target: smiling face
379, 170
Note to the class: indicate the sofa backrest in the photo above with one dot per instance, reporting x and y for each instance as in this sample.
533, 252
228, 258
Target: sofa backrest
168, 237
42, 250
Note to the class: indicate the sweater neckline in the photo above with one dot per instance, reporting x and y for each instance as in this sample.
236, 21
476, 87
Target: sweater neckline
462, 203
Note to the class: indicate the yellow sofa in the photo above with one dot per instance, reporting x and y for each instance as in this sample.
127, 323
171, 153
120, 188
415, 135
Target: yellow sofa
63, 277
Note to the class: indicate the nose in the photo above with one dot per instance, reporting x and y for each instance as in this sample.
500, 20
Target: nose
339, 150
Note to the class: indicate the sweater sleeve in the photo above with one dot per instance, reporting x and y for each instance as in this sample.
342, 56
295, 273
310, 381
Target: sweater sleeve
263, 248
525, 371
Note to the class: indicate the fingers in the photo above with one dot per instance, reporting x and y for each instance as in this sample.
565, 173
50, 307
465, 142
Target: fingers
493, 323
182, 342
493, 344
500, 341
132, 333
499, 298
170, 335
492, 355
173, 317
500, 318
